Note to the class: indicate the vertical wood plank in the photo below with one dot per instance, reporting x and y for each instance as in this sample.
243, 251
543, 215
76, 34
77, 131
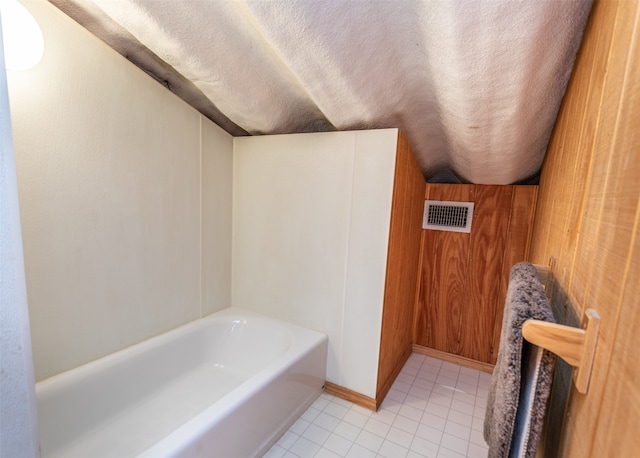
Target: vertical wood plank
430, 279
518, 238
484, 269
402, 266
450, 270
420, 319
595, 154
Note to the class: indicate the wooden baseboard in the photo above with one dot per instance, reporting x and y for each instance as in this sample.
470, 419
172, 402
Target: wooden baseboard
350, 395
374, 404
386, 386
484, 367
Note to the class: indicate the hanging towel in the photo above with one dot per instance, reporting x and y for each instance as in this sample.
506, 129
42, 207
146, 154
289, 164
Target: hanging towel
521, 380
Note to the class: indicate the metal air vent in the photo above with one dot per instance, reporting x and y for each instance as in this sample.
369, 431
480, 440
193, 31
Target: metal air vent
447, 216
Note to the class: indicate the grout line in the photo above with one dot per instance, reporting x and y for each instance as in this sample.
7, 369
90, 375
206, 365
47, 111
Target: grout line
410, 375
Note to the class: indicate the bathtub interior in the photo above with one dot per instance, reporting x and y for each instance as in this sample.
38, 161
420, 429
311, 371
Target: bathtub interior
154, 387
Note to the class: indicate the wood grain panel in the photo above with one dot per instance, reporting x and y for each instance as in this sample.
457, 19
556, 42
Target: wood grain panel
619, 413
461, 291
423, 322
448, 274
484, 270
420, 319
522, 211
595, 154
402, 266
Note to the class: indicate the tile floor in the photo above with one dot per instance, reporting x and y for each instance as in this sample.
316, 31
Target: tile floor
434, 409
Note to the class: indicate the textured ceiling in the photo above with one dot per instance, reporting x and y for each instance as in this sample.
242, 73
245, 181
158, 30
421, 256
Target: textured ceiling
475, 85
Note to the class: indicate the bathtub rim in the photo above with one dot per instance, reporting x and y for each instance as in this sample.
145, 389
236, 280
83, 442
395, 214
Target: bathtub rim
307, 338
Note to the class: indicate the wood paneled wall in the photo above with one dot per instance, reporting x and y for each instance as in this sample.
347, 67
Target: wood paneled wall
464, 276
588, 218
402, 267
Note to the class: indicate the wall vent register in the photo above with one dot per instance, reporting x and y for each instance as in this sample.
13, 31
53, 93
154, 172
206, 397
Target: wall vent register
447, 216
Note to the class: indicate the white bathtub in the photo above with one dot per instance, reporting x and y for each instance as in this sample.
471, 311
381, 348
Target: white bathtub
227, 385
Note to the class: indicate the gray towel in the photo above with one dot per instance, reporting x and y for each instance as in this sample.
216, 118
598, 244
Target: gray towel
521, 380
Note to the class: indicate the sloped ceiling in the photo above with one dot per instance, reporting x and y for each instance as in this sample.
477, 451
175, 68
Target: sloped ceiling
475, 85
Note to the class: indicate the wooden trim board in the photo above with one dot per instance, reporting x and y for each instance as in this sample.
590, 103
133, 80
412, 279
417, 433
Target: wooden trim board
350, 395
466, 362
384, 389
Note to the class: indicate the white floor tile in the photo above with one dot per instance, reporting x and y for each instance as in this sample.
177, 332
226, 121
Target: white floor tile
475, 451
461, 418
360, 409
449, 373
299, 426
400, 437
455, 429
369, 441
385, 416
356, 419
435, 409
479, 411
347, 430
390, 449
288, 439
304, 448
342, 402
424, 447
429, 433
466, 387
377, 427
406, 378
454, 443
469, 372
320, 403
451, 366
316, 434
410, 370
478, 424
338, 444
276, 452
357, 451
404, 387
310, 414
326, 421
413, 454
419, 391
446, 453
438, 409
433, 421
410, 412
416, 402
440, 399
406, 424
446, 379
477, 438
336, 410
324, 453
396, 395
427, 375
466, 397
443, 390
463, 407
415, 359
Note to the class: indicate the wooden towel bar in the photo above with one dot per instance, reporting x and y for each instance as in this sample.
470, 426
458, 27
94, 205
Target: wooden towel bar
576, 346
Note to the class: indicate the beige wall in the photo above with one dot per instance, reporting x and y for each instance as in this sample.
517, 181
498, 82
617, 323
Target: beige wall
588, 218
125, 196
311, 215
